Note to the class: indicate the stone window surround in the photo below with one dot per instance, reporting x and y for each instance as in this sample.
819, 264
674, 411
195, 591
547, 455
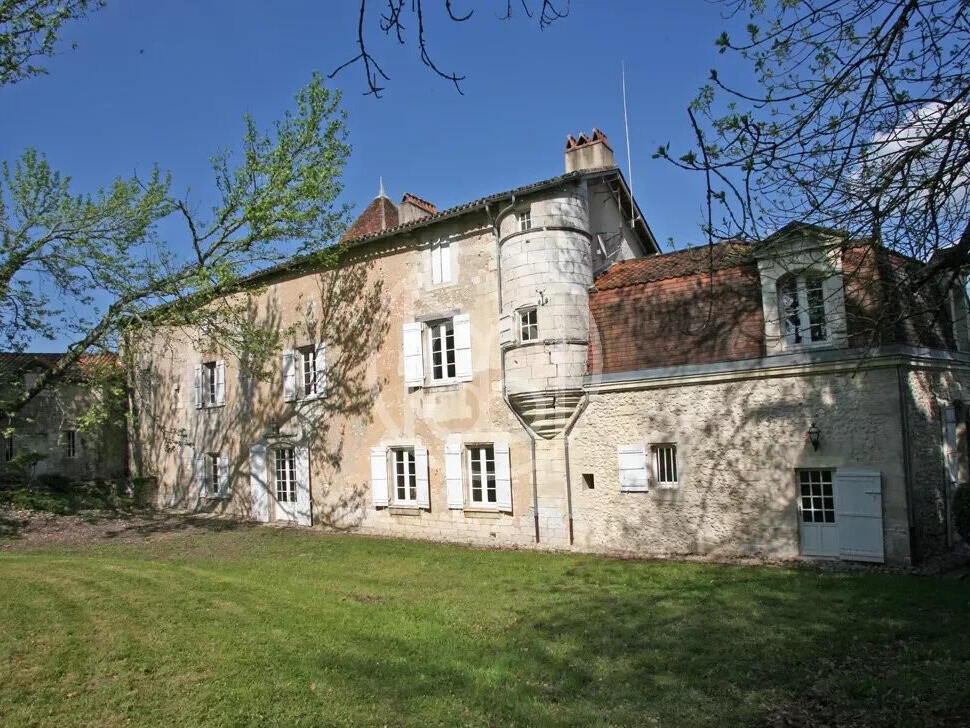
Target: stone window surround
802, 258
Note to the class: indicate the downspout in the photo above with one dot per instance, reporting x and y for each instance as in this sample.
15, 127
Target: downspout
904, 434
505, 395
569, 489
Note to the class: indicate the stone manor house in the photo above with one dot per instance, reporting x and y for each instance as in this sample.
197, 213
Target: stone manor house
528, 370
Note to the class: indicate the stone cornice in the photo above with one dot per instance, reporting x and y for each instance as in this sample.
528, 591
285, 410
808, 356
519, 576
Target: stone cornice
831, 361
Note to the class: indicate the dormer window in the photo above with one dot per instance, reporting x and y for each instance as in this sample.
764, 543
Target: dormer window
801, 306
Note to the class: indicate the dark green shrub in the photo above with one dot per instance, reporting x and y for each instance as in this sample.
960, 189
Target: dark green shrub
961, 511
54, 482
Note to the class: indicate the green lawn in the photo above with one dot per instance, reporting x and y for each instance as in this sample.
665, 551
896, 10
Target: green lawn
256, 626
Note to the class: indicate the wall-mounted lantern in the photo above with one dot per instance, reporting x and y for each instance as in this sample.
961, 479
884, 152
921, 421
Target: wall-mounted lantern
814, 436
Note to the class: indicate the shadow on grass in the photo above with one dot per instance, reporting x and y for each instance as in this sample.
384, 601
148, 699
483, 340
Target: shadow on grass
715, 646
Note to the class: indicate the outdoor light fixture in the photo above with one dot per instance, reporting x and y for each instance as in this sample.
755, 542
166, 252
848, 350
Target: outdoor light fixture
814, 436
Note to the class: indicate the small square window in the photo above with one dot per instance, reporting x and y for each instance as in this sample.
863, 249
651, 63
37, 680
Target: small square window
816, 497
524, 220
588, 481
665, 465
529, 325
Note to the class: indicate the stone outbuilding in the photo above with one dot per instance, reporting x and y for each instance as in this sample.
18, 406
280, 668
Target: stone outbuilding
55, 433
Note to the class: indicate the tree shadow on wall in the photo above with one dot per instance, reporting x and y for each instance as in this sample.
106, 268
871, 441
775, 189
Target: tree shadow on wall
346, 311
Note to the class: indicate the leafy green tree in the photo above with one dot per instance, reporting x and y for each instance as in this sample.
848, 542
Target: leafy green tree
62, 254
28, 31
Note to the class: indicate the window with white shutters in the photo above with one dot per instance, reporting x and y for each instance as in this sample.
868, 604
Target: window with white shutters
482, 483
405, 476
308, 358
442, 339
210, 383
285, 470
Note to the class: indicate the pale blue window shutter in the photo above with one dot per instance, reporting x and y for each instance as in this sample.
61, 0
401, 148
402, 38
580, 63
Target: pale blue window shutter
220, 382
289, 375
503, 476
421, 476
463, 347
378, 476
453, 480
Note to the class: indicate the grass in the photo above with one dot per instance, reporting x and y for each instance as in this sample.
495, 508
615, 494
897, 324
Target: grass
259, 626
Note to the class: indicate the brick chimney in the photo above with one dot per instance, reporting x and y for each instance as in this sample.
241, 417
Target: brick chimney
589, 152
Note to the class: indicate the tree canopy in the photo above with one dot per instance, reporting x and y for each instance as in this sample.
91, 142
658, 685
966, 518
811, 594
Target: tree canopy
858, 119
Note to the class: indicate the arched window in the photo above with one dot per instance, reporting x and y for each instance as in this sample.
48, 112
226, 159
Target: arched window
801, 305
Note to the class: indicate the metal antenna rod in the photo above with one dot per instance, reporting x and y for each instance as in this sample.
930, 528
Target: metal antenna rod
626, 129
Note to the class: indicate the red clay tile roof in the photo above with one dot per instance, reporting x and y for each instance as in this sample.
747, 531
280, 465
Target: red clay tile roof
418, 202
13, 361
674, 265
379, 215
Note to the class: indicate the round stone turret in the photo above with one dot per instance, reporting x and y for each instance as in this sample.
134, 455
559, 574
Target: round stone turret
546, 275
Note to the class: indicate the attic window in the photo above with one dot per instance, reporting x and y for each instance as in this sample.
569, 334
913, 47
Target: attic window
802, 309
524, 220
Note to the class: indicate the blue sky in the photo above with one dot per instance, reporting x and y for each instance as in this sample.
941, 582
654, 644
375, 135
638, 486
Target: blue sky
169, 82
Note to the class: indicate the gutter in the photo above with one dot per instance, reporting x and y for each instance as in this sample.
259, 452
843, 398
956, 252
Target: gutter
505, 394
904, 433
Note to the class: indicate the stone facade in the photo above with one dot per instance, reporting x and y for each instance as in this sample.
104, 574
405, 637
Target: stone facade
47, 436
475, 374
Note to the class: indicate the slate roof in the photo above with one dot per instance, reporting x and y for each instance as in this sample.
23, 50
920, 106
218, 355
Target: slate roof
675, 265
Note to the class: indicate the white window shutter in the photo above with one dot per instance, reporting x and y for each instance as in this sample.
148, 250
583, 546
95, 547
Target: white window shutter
321, 360
421, 476
289, 375
503, 476
446, 263
303, 502
378, 476
198, 385
463, 347
950, 443
223, 474
258, 484
200, 476
413, 356
221, 382
435, 264
632, 464
453, 483
506, 335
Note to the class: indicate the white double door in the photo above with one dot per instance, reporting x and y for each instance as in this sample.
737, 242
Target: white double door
840, 514
280, 483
